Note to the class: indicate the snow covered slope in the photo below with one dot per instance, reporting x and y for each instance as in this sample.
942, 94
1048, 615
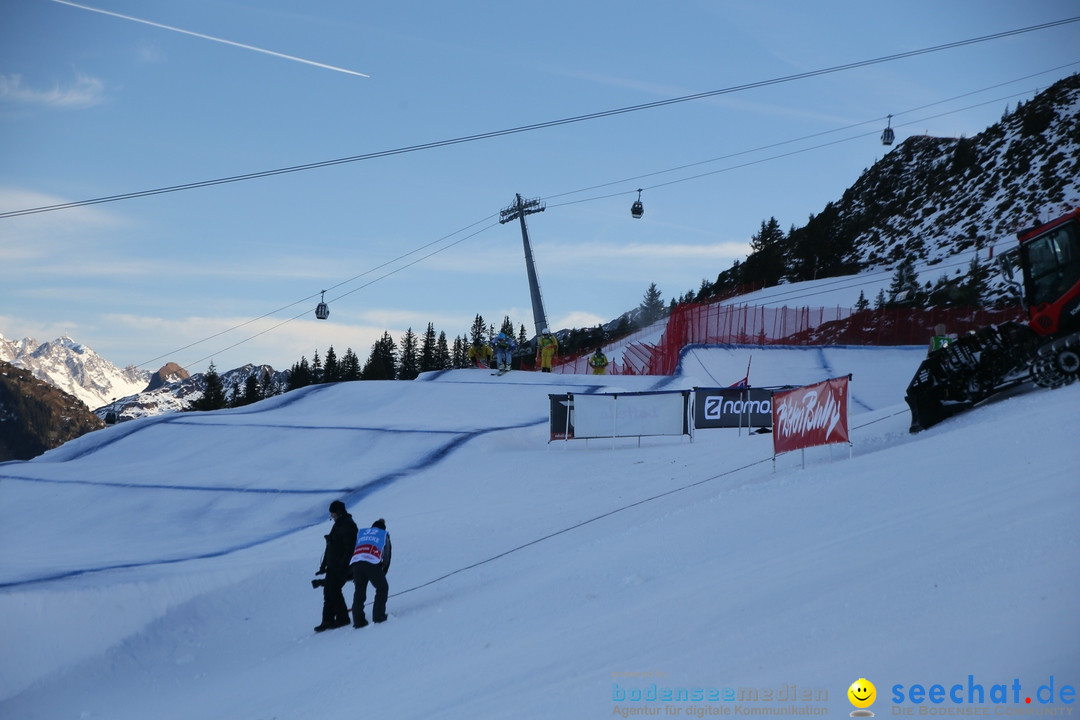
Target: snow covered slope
159, 568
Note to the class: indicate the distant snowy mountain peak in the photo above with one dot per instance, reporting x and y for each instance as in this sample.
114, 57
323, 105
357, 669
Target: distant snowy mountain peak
74, 368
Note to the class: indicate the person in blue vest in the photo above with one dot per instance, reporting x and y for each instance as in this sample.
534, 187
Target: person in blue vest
504, 350
335, 565
370, 563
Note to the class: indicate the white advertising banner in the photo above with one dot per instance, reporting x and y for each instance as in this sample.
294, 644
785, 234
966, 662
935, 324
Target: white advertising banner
630, 414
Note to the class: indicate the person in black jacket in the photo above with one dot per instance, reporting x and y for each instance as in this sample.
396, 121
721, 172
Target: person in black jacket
339, 548
370, 563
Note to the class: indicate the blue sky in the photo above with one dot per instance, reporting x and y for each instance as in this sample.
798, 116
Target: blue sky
94, 105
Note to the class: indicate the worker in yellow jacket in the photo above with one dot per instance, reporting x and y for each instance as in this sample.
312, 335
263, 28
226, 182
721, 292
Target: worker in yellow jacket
598, 362
480, 353
548, 347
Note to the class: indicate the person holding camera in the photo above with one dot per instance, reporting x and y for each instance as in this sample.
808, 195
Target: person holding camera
370, 563
335, 565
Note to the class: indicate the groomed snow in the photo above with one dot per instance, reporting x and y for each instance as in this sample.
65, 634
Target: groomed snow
160, 568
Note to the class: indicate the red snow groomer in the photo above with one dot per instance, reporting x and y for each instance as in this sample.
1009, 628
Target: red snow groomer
1045, 349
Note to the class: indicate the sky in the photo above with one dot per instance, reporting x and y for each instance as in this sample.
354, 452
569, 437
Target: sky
109, 98
160, 567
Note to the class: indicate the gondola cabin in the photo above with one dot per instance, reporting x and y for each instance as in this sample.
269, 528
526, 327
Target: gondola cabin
637, 209
322, 310
887, 135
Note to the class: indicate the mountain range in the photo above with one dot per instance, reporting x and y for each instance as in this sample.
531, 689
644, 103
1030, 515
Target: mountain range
74, 368
38, 414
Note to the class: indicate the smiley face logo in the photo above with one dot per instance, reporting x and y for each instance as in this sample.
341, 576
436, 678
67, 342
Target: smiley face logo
862, 693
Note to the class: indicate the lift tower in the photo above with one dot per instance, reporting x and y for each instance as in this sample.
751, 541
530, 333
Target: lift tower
518, 211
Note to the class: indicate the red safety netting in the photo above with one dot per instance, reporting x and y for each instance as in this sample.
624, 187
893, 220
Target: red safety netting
719, 324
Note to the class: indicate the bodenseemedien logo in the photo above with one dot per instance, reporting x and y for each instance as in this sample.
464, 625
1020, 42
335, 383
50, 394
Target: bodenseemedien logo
862, 694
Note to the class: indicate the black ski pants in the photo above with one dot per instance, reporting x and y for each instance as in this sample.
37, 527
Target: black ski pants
334, 611
364, 573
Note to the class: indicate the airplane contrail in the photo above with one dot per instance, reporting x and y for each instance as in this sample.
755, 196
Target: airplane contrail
211, 37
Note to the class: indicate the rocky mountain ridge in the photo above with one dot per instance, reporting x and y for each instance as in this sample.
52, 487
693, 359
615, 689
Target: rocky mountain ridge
933, 198
179, 392
82, 374
74, 368
36, 416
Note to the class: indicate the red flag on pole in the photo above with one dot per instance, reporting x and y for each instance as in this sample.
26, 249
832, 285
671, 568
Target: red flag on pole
745, 382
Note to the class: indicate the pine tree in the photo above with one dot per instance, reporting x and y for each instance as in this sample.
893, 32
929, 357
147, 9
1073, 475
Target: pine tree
904, 288
331, 367
770, 235
765, 264
478, 331
350, 366
507, 327
972, 292
459, 356
299, 375
862, 303
427, 351
251, 392
879, 301
214, 392
410, 357
316, 369
442, 353
523, 337
652, 306
382, 363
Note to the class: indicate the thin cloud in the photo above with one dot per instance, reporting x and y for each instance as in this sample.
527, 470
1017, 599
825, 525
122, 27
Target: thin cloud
86, 92
578, 319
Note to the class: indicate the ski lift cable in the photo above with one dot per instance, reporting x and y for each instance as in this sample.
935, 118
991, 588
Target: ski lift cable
573, 202
761, 160
597, 198
312, 296
541, 125
357, 289
811, 136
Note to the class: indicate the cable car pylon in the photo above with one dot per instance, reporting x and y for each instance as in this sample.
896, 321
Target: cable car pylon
518, 211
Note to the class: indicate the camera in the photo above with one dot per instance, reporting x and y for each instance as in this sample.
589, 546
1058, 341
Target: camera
318, 583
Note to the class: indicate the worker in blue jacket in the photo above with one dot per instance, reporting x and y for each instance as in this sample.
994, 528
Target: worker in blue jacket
370, 563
